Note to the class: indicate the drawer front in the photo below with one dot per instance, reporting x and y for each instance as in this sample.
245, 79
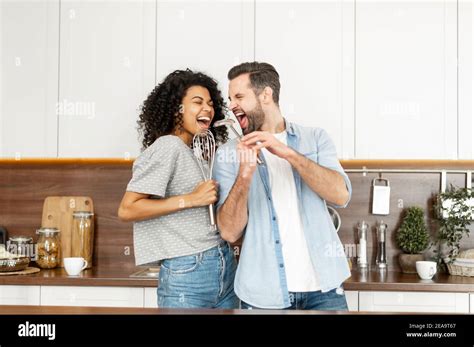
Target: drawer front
91, 296
19, 295
151, 299
352, 298
414, 302
472, 303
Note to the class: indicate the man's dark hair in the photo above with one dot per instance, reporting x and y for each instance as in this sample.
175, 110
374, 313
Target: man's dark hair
261, 75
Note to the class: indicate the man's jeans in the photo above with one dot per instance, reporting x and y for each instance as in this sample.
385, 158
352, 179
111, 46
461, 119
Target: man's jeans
203, 280
334, 300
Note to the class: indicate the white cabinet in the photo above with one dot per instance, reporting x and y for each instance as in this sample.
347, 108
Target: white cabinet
107, 69
413, 302
19, 295
466, 79
311, 44
471, 300
29, 42
204, 35
150, 298
352, 298
406, 79
91, 296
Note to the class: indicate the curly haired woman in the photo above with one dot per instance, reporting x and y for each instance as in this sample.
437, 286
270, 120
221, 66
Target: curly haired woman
168, 200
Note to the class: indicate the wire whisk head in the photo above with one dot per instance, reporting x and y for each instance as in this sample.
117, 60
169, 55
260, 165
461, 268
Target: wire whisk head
204, 148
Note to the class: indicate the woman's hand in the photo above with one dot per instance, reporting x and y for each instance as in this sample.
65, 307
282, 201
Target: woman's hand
204, 194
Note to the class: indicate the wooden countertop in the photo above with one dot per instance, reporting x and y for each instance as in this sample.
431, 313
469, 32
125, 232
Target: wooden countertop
90, 277
371, 280
397, 281
80, 310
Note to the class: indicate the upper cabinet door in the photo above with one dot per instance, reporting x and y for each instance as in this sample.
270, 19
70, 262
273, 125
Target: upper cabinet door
107, 69
29, 41
209, 36
466, 79
311, 44
406, 79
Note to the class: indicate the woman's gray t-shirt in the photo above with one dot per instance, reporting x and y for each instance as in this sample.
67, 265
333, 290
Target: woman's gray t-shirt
164, 169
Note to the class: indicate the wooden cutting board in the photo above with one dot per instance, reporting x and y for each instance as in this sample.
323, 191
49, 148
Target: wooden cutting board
57, 213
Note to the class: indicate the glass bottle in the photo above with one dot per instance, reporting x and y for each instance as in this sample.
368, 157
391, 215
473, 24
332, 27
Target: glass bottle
83, 236
21, 246
49, 248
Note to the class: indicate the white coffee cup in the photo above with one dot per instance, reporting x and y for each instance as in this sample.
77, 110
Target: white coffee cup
426, 269
74, 266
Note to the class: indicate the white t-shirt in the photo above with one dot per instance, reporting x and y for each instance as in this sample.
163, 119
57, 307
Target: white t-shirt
300, 273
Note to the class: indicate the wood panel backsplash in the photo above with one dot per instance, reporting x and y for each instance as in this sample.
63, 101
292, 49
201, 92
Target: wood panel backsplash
25, 184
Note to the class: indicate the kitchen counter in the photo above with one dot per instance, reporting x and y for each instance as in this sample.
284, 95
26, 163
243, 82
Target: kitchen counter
371, 281
398, 281
90, 277
78, 310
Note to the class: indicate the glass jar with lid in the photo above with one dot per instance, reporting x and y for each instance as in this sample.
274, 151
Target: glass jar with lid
21, 246
49, 248
83, 236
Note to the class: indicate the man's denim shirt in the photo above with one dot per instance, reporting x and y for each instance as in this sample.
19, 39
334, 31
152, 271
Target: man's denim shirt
260, 279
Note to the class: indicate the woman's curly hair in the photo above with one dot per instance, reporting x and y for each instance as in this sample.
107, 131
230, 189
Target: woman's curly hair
160, 111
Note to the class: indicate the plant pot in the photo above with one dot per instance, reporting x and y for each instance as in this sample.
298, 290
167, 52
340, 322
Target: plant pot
408, 262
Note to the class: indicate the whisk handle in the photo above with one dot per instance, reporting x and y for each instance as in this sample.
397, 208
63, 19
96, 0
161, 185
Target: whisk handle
212, 217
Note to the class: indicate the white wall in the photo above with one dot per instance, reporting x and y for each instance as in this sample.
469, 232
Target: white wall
380, 76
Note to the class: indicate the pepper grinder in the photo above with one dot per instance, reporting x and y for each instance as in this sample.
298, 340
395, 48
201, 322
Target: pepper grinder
362, 255
381, 259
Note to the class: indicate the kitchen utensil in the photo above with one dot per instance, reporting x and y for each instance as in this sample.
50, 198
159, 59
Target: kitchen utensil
83, 236
204, 147
381, 259
150, 272
381, 197
336, 218
362, 261
57, 213
49, 248
230, 123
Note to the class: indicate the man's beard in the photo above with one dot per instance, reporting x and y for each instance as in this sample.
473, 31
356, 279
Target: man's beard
256, 118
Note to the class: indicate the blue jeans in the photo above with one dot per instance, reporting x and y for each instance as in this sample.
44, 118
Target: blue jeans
202, 280
333, 300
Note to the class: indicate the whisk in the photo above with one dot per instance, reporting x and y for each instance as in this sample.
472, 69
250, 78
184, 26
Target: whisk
230, 123
204, 147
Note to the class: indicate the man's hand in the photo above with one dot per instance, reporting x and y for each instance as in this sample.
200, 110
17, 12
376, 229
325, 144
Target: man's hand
263, 139
248, 160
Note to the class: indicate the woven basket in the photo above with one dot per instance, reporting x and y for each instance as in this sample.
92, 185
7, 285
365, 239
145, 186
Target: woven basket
463, 265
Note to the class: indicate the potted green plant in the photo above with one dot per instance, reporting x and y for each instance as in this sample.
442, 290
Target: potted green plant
412, 238
455, 209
